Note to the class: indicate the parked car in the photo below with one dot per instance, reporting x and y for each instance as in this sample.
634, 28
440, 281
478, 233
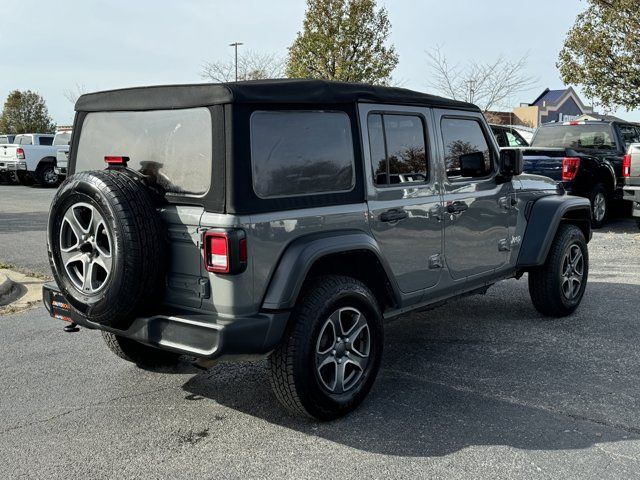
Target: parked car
586, 156
508, 136
63, 141
289, 218
631, 174
7, 169
33, 157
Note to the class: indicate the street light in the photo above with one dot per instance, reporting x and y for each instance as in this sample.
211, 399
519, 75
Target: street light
236, 45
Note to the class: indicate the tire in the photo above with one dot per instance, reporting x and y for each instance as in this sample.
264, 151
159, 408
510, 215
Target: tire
138, 353
107, 246
46, 175
298, 384
599, 205
552, 286
25, 179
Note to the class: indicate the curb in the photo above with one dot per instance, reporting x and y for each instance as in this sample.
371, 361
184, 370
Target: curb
6, 285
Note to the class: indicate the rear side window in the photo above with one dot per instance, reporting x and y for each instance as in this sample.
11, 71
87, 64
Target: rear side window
398, 149
46, 141
465, 144
301, 153
174, 146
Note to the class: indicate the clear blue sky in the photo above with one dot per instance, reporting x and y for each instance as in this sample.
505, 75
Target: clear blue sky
51, 46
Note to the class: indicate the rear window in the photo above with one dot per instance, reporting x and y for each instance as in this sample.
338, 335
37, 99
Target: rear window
174, 146
23, 139
5, 139
62, 138
595, 137
301, 153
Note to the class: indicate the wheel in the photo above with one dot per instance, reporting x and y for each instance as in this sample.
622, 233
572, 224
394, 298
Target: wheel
331, 355
599, 205
138, 353
25, 178
557, 287
107, 246
46, 175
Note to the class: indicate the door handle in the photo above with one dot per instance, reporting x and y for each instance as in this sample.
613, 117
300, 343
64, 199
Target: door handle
457, 207
393, 215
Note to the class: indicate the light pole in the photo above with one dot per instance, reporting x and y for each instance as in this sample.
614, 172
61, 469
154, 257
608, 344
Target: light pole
236, 45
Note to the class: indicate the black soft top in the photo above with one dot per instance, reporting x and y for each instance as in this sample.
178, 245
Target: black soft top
287, 91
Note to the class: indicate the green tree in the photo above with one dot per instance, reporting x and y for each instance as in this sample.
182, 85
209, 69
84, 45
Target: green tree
343, 40
25, 112
602, 53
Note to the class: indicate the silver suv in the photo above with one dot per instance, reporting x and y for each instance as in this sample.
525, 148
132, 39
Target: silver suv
288, 219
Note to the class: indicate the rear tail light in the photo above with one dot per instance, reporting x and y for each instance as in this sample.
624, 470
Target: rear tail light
570, 166
20, 153
626, 165
116, 160
225, 251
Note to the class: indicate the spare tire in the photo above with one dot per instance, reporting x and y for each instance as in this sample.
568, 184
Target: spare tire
107, 246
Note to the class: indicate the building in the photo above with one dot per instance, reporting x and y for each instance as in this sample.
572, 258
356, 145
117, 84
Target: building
552, 106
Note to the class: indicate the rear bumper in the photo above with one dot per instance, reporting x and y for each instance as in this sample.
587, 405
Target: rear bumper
198, 335
633, 195
12, 166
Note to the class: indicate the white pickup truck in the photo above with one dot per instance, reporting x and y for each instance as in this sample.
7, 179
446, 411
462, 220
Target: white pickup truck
62, 140
631, 175
33, 157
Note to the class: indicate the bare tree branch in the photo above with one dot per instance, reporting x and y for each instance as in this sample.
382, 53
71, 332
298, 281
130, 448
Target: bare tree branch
488, 85
72, 94
251, 66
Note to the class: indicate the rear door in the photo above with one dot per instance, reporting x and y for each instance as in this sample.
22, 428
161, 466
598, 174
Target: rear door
403, 192
476, 206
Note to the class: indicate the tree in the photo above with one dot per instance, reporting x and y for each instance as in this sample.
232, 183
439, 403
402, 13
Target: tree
251, 66
602, 53
488, 85
25, 112
343, 40
72, 94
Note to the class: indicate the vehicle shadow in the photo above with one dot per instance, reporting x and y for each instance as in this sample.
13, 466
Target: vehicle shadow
619, 225
485, 370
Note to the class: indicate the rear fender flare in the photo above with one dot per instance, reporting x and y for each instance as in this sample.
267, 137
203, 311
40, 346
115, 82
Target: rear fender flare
300, 256
545, 217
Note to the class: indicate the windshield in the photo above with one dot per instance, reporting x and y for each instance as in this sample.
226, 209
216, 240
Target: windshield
174, 146
62, 138
591, 136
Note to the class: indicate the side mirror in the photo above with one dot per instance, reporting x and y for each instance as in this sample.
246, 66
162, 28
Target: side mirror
511, 162
472, 164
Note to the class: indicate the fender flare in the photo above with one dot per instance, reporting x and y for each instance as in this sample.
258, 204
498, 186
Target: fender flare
46, 160
300, 256
544, 218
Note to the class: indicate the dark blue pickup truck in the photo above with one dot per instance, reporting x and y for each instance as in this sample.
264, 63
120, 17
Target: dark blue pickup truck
586, 156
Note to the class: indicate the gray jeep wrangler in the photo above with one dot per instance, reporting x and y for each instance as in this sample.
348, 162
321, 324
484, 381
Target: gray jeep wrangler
288, 219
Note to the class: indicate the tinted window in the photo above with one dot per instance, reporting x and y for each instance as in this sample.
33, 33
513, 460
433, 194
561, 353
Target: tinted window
45, 140
301, 153
4, 139
630, 134
398, 152
591, 136
465, 138
174, 146
62, 138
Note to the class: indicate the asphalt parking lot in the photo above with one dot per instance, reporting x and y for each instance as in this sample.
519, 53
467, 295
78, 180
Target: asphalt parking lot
483, 387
